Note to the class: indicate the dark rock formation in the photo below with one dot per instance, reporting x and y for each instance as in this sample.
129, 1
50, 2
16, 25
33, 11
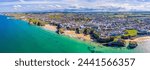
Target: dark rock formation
118, 43
132, 45
92, 49
105, 39
60, 31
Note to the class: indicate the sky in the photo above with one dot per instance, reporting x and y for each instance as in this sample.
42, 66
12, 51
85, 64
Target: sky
73, 5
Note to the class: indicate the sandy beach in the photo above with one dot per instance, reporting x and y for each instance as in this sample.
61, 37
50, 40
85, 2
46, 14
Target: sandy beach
146, 38
50, 27
141, 39
79, 36
68, 33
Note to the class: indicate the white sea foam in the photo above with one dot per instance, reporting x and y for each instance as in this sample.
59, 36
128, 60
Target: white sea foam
144, 46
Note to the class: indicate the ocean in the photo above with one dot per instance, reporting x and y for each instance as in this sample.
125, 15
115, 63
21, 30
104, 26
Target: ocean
17, 36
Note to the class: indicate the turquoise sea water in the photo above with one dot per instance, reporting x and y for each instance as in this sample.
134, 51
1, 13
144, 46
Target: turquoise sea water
17, 36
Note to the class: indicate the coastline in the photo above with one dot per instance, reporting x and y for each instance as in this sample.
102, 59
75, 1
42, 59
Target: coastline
140, 39
77, 37
97, 47
69, 33
87, 37
73, 34
50, 27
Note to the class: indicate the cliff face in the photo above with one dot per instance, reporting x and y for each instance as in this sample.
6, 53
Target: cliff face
105, 39
118, 43
36, 22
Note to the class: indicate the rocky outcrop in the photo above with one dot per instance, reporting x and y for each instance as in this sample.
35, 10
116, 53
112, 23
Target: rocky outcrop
118, 43
60, 31
105, 39
132, 45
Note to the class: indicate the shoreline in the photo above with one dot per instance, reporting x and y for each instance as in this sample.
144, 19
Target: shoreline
73, 34
83, 37
50, 27
66, 32
140, 39
87, 39
69, 33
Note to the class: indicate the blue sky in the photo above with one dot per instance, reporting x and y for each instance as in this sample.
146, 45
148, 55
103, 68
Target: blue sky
80, 5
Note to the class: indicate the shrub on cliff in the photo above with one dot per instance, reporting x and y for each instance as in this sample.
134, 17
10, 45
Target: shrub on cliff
129, 34
36, 22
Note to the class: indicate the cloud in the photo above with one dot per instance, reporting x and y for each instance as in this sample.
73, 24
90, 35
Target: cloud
8, 0
97, 5
17, 6
21, 0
